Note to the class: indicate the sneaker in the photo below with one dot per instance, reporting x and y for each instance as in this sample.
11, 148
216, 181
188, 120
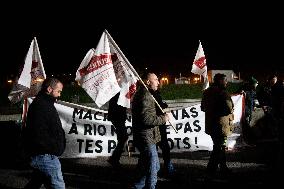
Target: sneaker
170, 170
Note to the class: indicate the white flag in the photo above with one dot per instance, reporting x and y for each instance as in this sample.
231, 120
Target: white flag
96, 73
105, 71
125, 74
32, 75
199, 65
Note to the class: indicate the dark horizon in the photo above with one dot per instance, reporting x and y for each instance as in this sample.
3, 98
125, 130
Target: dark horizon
62, 54
164, 43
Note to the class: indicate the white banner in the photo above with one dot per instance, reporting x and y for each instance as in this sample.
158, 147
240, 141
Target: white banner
90, 134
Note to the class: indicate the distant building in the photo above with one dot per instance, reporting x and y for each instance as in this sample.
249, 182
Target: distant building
182, 80
230, 74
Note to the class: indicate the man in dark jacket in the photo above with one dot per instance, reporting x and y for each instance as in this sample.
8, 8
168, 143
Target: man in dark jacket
44, 137
266, 101
163, 144
117, 116
218, 107
146, 132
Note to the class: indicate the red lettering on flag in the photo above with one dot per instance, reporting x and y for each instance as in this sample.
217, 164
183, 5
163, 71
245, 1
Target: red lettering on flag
132, 90
200, 62
95, 63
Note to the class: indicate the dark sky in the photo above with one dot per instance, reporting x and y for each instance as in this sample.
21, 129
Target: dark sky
164, 41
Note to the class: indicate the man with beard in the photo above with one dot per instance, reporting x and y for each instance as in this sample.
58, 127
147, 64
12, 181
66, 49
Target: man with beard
44, 137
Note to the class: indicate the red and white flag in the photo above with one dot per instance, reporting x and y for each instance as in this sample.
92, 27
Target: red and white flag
199, 65
105, 71
32, 75
125, 74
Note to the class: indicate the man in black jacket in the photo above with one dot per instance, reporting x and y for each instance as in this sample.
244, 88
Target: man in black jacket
218, 107
163, 144
117, 116
44, 137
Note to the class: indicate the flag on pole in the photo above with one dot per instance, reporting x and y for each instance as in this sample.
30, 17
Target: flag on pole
125, 78
104, 72
125, 74
31, 77
199, 65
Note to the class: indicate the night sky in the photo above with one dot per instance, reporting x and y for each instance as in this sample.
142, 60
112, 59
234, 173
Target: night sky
165, 42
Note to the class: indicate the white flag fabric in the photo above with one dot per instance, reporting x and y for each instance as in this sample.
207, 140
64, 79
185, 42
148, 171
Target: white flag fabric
96, 73
105, 71
124, 73
199, 65
32, 75
125, 78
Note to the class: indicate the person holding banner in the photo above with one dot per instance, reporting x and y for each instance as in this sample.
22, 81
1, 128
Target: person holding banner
218, 107
248, 89
117, 116
146, 132
44, 137
163, 144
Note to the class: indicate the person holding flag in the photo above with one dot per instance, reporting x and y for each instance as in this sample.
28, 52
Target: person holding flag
146, 134
163, 144
199, 65
106, 75
103, 73
117, 115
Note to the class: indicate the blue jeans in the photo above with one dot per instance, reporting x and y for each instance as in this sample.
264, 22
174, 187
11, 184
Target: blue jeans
47, 171
148, 165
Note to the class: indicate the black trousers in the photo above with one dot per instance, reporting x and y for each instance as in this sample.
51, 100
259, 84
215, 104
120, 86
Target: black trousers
164, 145
122, 136
218, 155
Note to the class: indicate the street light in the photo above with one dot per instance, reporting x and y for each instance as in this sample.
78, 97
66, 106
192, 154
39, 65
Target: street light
165, 80
196, 79
39, 80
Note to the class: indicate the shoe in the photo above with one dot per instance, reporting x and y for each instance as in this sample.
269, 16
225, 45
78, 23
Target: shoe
114, 163
170, 170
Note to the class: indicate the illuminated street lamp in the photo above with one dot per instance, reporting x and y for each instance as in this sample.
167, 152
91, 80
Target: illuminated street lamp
164, 80
39, 80
196, 79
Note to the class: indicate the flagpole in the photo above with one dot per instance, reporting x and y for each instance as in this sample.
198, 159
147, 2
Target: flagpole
134, 71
